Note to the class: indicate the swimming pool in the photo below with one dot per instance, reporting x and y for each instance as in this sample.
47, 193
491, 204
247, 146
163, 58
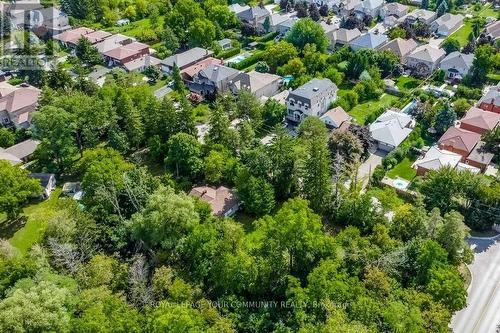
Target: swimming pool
400, 183
237, 59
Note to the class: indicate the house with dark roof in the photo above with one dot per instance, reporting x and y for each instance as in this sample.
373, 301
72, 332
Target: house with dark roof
457, 65
189, 72
185, 59
259, 84
212, 79
459, 141
479, 157
223, 201
369, 40
479, 121
47, 181
491, 100
17, 105
311, 99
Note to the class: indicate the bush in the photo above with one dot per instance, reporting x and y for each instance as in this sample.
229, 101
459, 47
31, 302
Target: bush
253, 59
229, 53
378, 175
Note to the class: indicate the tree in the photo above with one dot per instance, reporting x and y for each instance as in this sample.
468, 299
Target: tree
59, 78
424, 4
283, 157
130, 119
262, 67
347, 145
452, 236
220, 166
169, 39
447, 287
167, 218
317, 176
222, 15
301, 8
219, 132
273, 112
152, 72
179, 85
280, 53
184, 155
397, 32
314, 12
461, 106
6, 137
201, 32
256, 193
324, 10
445, 119
442, 188
482, 64
306, 31
15, 188
55, 128
492, 141
451, 45
87, 53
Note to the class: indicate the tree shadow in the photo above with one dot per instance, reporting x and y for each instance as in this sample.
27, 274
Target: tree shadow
9, 227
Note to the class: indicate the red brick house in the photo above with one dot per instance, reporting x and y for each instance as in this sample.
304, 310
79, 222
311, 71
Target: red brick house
459, 141
479, 121
491, 100
126, 53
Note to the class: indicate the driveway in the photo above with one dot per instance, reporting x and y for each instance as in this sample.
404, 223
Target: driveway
366, 169
482, 313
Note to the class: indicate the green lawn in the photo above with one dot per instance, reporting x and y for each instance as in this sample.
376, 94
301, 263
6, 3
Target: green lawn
387, 196
134, 29
361, 111
37, 214
406, 83
463, 33
403, 170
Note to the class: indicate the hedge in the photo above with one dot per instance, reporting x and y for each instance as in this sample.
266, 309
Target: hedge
253, 59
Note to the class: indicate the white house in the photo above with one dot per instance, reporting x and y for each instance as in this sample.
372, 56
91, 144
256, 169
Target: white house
457, 65
425, 59
393, 9
447, 24
390, 129
311, 99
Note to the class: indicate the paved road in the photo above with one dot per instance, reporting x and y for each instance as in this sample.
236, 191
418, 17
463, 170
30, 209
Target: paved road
482, 314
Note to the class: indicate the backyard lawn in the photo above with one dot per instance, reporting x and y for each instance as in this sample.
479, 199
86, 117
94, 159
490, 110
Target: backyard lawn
135, 29
37, 216
361, 111
407, 83
462, 34
403, 170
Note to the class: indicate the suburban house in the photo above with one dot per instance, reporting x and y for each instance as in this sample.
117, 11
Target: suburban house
259, 84
329, 29
113, 42
493, 30
390, 129
335, 117
436, 159
344, 8
311, 99
237, 8
479, 121
370, 7
393, 9
457, 65
447, 24
223, 201
185, 59
96, 36
369, 40
254, 17
225, 43
189, 72
390, 21
17, 105
400, 47
212, 79
278, 19
491, 100
126, 53
422, 15
140, 64
19, 153
343, 36
425, 59
70, 38
286, 26
47, 22
459, 141
479, 157
48, 182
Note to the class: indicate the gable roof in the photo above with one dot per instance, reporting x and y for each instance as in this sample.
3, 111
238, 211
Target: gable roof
436, 159
237, 8
457, 60
448, 20
391, 128
113, 42
96, 36
493, 30
428, 53
188, 57
23, 149
346, 35
480, 155
126, 51
480, 118
195, 68
72, 36
395, 6
419, 14
253, 13
139, 63
372, 4
400, 47
492, 96
369, 40
217, 73
459, 139
337, 116
44, 178
19, 98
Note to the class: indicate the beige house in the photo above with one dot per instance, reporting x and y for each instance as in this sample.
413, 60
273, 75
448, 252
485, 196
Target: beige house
425, 59
259, 84
393, 9
343, 36
223, 201
400, 47
447, 24
17, 105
